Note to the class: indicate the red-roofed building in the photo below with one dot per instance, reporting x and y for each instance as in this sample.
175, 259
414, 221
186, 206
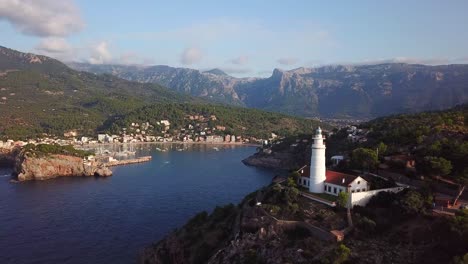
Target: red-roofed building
318, 179
335, 182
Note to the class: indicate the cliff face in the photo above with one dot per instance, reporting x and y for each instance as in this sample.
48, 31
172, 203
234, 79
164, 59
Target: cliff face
29, 167
288, 228
7, 157
330, 91
246, 233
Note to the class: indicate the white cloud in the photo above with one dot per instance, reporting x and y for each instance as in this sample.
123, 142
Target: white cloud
191, 56
241, 60
409, 60
287, 61
53, 45
43, 18
100, 53
129, 58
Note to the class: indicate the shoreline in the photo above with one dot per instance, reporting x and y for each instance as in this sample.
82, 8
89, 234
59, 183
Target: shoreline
171, 142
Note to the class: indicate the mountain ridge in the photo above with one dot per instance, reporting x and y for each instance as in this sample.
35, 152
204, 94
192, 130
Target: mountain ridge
40, 96
336, 91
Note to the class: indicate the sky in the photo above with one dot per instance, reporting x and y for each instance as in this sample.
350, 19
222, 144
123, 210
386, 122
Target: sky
243, 38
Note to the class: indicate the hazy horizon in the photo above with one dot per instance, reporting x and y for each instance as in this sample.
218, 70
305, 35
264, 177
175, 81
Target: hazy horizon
244, 39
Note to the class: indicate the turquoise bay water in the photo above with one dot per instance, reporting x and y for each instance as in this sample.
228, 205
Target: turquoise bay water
109, 220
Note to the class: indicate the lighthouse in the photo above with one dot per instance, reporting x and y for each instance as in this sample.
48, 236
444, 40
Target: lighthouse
317, 164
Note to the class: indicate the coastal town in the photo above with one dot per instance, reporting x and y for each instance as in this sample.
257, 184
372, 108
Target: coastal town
198, 130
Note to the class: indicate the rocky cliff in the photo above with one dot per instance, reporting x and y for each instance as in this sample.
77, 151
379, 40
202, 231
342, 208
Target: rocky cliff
362, 91
231, 234
291, 154
288, 228
33, 167
8, 156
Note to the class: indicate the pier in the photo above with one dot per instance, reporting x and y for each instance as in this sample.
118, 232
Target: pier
128, 161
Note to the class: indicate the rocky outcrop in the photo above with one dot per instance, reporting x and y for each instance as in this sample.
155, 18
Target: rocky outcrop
270, 161
31, 167
8, 156
246, 233
281, 158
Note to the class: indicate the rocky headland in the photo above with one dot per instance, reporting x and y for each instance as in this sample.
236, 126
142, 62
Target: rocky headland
278, 225
56, 165
292, 153
44, 162
249, 233
8, 156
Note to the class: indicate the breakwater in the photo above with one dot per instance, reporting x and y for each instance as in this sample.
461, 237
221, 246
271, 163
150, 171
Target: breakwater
128, 161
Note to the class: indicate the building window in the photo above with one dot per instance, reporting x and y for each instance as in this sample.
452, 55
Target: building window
325, 187
358, 190
334, 190
329, 189
339, 191
358, 182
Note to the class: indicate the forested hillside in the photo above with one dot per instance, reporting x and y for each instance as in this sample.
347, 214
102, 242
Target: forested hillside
236, 120
42, 96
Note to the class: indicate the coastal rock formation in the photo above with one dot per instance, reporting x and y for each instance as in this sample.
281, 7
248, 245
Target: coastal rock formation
282, 156
273, 225
246, 233
8, 156
29, 167
270, 161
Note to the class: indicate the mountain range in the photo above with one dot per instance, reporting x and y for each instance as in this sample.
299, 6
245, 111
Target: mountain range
40, 95
359, 91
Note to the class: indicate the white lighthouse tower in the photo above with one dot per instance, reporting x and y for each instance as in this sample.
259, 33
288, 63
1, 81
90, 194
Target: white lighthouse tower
317, 163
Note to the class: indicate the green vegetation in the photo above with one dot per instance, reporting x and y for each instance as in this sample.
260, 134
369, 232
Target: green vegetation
48, 98
436, 166
53, 103
436, 139
204, 233
364, 159
343, 198
46, 149
236, 120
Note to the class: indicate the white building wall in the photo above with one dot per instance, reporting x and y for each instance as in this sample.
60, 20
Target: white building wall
362, 198
330, 189
359, 185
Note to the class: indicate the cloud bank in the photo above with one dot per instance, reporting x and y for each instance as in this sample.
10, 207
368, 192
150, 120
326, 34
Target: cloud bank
100, 54
241, 60
191, 56
43, 18
53, 45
